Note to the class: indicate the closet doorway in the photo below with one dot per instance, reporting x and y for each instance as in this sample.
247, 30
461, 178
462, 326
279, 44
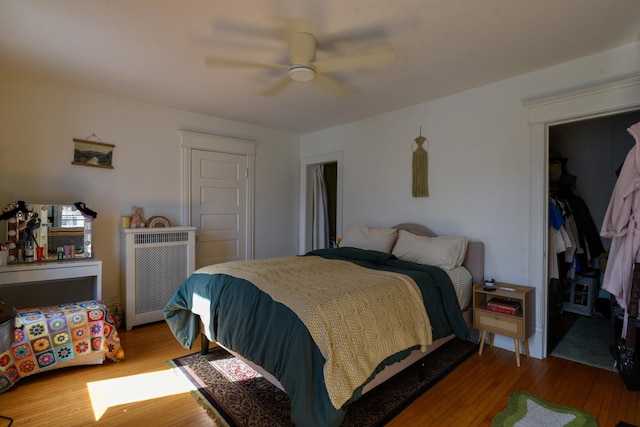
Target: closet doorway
584, 159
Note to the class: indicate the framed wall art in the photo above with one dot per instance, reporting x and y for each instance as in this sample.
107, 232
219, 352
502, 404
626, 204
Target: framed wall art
91, 153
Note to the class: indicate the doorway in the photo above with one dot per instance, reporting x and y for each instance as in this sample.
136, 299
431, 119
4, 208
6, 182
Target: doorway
595, 101
217, 195
219, 206
333, 179
584, 156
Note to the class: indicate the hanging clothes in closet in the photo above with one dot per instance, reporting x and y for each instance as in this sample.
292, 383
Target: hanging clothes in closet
573, 236
622, 225
574, 240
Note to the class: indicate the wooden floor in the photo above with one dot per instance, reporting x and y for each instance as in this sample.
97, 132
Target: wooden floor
142, 390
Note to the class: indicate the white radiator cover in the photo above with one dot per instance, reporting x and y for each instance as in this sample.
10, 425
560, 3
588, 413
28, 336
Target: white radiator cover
155, 261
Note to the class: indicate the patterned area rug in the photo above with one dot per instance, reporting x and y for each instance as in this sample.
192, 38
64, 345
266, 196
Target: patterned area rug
528, 410
236, 395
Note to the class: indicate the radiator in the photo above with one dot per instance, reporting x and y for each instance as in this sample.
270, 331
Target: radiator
155, 261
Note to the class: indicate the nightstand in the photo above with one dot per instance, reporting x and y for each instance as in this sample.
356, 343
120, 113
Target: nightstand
511, 313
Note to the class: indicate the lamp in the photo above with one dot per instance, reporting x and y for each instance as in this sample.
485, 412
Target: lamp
7, 333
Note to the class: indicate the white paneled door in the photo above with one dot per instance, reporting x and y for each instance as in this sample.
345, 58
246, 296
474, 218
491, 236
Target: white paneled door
219, 188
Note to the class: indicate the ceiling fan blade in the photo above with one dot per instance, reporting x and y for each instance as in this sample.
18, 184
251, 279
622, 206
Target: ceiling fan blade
279, 86
373, 56
336, 87
372, 34
222, 62
282, 28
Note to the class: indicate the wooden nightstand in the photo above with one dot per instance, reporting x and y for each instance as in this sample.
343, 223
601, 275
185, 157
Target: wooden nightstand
519, 325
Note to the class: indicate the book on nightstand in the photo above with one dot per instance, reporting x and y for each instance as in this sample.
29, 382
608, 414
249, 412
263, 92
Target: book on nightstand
503, 305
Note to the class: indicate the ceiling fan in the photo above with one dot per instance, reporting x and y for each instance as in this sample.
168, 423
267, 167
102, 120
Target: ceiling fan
304, 67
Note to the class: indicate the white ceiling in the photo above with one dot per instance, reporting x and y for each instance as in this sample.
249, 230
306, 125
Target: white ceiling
153, 50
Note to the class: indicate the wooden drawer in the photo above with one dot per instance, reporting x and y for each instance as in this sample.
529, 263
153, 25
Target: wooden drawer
503, 324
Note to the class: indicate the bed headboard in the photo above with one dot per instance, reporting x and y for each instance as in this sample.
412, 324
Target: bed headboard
473, 260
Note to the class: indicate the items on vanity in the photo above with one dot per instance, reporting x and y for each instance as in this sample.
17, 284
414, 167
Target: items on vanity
40, 232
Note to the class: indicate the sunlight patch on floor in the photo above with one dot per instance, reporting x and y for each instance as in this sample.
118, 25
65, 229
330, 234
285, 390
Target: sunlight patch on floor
135, 388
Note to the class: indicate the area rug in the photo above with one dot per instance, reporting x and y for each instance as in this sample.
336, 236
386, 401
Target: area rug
528, 410
588, 342
236, 395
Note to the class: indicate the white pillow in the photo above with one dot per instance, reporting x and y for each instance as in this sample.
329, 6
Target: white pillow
446, 252
375, 239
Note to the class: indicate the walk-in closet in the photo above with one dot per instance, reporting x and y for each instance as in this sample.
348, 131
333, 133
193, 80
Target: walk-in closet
584, 160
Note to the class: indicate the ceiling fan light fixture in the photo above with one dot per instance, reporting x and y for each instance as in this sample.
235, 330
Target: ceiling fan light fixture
301, 73
302, 65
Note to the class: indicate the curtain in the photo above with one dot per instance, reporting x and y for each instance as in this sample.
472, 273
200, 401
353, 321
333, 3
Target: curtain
320, 238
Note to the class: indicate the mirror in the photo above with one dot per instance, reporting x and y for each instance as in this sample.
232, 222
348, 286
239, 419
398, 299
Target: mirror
63, 232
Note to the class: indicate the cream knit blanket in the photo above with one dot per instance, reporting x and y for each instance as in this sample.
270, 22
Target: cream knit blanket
357, 316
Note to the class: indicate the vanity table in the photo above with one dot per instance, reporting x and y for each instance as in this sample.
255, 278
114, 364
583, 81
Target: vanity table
67, 271
35, 284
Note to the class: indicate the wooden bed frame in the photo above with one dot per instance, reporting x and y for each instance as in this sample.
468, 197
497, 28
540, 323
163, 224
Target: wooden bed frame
474, 262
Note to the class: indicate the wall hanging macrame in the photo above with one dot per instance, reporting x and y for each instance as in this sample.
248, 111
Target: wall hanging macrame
421, 168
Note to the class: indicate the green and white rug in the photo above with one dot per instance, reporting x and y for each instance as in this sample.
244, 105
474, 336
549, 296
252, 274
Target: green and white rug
528, 410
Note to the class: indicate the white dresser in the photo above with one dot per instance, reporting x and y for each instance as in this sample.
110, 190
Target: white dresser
155, 262
35, 284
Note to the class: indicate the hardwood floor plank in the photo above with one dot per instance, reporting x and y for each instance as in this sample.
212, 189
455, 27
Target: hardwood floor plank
471, 395
62, 397
627, 403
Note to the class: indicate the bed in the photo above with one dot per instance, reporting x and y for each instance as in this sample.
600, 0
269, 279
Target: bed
317, 341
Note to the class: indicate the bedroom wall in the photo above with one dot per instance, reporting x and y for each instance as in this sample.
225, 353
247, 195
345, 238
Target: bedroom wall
38, 121
479, 162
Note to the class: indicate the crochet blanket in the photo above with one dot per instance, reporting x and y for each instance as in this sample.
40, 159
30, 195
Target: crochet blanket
53, 337
357, 322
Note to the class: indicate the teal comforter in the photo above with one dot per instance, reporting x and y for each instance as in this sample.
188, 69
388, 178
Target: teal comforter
246, 320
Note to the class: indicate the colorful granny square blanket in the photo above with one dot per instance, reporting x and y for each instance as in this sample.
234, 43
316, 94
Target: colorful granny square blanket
81, 333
